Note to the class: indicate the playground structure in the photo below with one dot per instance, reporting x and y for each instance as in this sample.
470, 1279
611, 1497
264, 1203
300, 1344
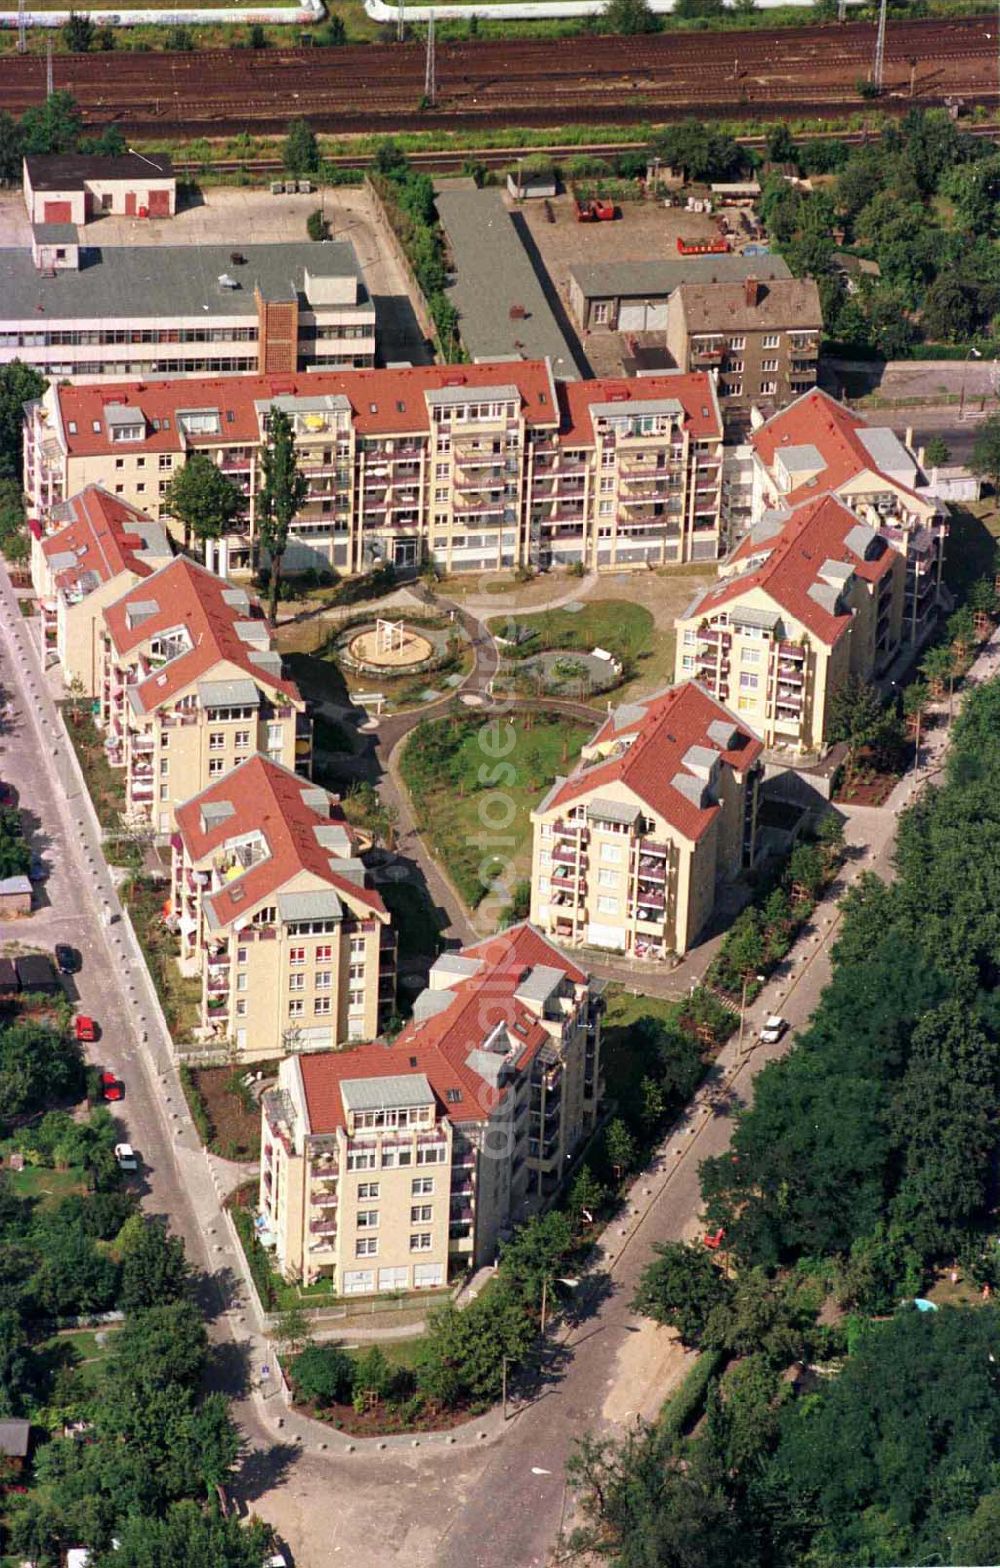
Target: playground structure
389, 645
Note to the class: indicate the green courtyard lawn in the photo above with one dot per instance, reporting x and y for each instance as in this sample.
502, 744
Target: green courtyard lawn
624, 629
472, 790
41, 1182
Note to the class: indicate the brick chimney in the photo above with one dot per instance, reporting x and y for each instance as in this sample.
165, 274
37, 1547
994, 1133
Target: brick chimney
751, 292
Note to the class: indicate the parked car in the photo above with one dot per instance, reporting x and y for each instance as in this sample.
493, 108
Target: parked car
38, 870
8, 795
277, 1560
68, 960
112, 1088
774, 1028
126, 1156
85, 1028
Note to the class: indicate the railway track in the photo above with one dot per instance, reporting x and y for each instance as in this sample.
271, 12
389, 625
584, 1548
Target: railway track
600, 80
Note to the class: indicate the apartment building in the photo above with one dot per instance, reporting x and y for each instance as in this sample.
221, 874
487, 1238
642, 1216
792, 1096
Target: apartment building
394, 1167
818, 444
271, 901
89, 551
190, 687
761, 338
809, 596
473, 466
83, 313
631, 849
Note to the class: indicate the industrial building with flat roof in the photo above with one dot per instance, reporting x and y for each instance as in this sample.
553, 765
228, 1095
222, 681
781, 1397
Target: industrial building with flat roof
75, 187
501, 304
75, 311
631, 296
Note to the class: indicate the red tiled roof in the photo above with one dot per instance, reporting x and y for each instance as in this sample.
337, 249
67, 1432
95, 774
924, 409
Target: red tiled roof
99, 532
439, 1046
662, 733
818, 420
816, 531
267, 798
188, 595
694, 391
383, 401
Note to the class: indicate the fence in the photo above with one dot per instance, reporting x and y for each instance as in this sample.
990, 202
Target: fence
383, 223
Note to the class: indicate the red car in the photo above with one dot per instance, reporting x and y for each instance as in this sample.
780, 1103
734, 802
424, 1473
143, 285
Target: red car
84, 1028
112, 1088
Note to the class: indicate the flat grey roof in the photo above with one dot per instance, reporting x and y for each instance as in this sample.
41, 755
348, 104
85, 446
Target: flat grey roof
144, 282
55, 233
240, 693
323, 904
14, 1436
377, 1094
622, 279
539, 984
61, 171
603, 810
494, 274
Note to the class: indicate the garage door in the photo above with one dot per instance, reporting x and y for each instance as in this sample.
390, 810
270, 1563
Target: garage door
159, 204
58, 212
656, 316
632, 317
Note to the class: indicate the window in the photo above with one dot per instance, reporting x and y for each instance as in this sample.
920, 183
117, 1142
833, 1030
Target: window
362, 1160
421, 1242
600, 312
421, 1214
241, 1009
275, 736
241, 955
322, 1006
748, 682
356, 972
242, 739
768, 387
770, 340
216, 766
367, 1219
612, 853
737, 342
608, 878
367, 1189
607, 906
393, 1157
241, 982
324, 979
296, 955
366, 1247
426, 1156
164, 767
356, 999
296, 982
606, 508
140, 489
325, 952
750, 656
421, 1186
296, 1007
769, 364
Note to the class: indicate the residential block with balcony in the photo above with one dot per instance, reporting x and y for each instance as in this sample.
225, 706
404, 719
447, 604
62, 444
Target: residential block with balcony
630, 852
808, 597
270, 899
395, 1167
817, 443
474, 466
89, 551
190, 687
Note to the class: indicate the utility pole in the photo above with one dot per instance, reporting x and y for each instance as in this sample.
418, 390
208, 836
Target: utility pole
430, 72
401, 21
504, 1360
545, 1299
49, 79
878, 69
22, 28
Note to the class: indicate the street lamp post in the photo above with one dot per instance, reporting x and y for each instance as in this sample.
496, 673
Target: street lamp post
972, 354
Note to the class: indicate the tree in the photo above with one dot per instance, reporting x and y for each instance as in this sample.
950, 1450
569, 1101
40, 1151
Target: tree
184, 1536
257, 38
535, 1253
159, 1348
938, 668
154, 1268
15, 1363
203, 498
323, 1374
53, 126
586, 1195
681, 1287
780, 145
916, 700
854, 714
985, 459
180, 39
390, 160
38, 1065
19, 384
463, 1352
283, 492
301, 150
11, 142
620, 1146
78, 33
293, 1330
629, 17
15, 852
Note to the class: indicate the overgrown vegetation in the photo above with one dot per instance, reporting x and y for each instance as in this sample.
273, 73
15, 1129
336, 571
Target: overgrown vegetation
408, 198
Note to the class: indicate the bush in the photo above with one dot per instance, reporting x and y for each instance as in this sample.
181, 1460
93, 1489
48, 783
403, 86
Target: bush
317, 227
324, 1375
181, 39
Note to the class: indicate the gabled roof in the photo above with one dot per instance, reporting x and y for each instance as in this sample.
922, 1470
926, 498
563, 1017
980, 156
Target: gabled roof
185, 594
291, 813
659, 745
844, 442
104, 536
821, 544
382, 401
693, 391
444, 1048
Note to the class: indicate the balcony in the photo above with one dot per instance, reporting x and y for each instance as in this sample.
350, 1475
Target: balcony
792, 650
649, 846
562, 828
651, 898
565, 855
217, 983
323, 1227
651, 869
790, 672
